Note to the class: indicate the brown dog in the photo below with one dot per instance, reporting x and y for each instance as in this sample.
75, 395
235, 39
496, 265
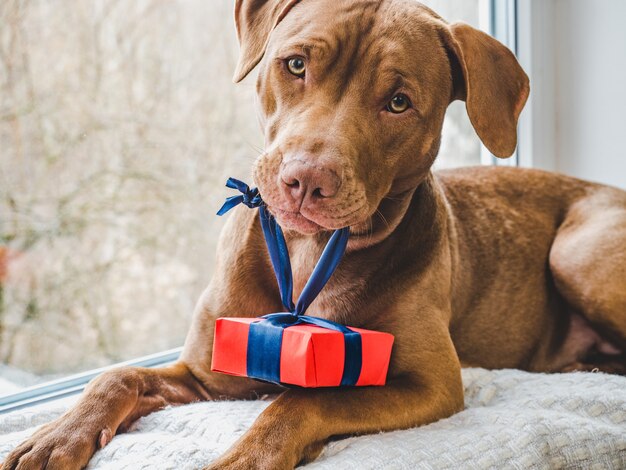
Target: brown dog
486, 267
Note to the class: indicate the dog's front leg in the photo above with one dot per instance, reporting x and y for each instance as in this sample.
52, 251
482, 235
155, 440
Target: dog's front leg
111, 402
295, 427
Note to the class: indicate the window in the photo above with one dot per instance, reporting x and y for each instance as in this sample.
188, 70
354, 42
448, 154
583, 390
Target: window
119, 124
460, 146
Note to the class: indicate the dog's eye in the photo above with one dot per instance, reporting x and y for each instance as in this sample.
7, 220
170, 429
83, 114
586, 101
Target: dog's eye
398, 104
296, 66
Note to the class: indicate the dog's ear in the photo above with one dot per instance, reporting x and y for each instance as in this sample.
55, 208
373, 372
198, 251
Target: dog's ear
493, 85
255, 20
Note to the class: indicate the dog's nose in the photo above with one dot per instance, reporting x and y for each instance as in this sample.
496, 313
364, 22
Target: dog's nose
305, 183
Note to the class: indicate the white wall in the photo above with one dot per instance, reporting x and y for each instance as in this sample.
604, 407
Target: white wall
575, 51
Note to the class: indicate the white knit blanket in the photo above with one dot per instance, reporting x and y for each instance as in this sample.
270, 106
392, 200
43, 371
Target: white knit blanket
512, 419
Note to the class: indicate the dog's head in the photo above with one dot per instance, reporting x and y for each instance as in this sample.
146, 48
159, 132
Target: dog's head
352, 97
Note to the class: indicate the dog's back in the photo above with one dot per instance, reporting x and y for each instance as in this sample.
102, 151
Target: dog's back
513, 277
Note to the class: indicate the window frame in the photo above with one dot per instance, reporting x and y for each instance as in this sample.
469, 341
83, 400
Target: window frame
73, 384
536, 53
500, 18
503, 19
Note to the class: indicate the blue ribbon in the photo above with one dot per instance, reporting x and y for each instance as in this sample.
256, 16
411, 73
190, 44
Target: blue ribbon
266, 335
249, 197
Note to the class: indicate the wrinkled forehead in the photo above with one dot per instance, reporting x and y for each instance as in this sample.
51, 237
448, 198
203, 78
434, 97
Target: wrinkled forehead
325, 28
393, 37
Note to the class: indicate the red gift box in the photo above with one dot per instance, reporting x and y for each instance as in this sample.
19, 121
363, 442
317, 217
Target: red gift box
311, 356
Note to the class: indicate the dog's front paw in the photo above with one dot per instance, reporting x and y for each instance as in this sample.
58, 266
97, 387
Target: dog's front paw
251, 459
66, 443
258, 457
285, 434
252, 453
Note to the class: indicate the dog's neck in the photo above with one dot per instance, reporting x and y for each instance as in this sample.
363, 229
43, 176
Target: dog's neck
403, 211
411, 228
391, 211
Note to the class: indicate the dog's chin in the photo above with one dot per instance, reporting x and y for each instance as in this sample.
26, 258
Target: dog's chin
297, 222
310, 224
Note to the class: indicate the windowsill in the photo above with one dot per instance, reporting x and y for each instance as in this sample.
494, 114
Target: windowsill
75, 384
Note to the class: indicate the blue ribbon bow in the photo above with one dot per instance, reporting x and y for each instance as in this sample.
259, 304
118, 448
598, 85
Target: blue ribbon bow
249, 197
266, 335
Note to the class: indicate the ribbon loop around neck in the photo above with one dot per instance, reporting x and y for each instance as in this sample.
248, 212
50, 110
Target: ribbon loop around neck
324, 269
279, 254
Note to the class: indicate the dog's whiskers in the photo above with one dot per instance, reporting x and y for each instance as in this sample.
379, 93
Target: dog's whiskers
256, 148
370, 230
380, 214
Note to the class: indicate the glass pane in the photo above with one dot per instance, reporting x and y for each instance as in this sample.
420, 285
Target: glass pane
460, 145
119, 124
